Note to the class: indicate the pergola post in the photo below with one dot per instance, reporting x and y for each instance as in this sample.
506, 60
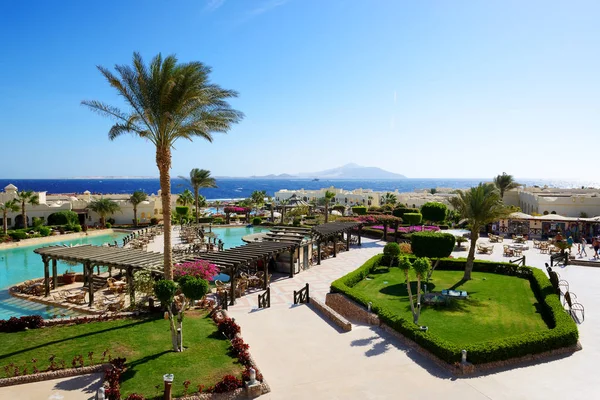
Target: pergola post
360, 235
396, 232
130, 285
292, 251
334, 246
266, 273
46, 277
385, 226
90, 282
319, 252
232, 288
348, 240
54, 274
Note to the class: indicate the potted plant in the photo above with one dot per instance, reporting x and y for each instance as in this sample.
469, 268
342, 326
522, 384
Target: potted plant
69, 276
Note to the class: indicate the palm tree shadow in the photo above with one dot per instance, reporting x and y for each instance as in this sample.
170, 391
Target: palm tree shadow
131, 367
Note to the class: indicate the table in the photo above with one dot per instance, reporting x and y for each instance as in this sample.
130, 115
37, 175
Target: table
517, 246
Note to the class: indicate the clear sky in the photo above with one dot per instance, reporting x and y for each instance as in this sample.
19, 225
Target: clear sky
460, 89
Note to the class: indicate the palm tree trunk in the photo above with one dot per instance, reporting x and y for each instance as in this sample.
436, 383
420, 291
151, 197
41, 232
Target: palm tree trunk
196, 196
135, 216
24, 215
163, 161
410, 296
5, 223
326, 213
272, 214
471, 256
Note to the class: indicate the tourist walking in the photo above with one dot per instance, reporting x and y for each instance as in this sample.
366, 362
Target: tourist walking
582, 246
595, 245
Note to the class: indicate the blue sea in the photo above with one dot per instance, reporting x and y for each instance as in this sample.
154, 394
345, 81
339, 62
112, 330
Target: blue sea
232, 188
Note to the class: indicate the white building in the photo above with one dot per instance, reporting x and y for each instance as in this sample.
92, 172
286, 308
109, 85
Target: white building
49, 204
545, 200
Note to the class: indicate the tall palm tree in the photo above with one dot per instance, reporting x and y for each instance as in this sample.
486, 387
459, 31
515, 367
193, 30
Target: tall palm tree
136, 198
480, 205
186, 198
199, 178
217, 205
27, 196
169, 101
504, 183
258, 198
104, 207
328, 197
9, 206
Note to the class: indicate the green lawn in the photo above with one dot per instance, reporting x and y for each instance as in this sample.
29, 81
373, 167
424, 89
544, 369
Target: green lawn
146, 343
498, 305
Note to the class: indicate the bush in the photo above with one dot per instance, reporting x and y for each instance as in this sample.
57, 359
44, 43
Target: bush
14, 324
562, 333
433, 211
297, 221
218, 221
77, 227
229, 327
63, 218
18, 235
111, 221
108, 225
405, 248
372, 233
153, 221
205, 220
256, 221
391, 251
37, 222
400, 211
432, 244
227, 384
165, 290
412, 218
44, 231
360, 210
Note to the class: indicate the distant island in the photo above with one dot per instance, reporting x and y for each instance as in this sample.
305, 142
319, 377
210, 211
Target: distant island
348, 171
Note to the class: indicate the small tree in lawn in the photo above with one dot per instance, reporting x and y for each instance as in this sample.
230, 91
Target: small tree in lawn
405, 265
193, 289
165, 290
421, 266
391, 251
143, 283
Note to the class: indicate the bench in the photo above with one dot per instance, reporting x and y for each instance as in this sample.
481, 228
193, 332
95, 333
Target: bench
575, 309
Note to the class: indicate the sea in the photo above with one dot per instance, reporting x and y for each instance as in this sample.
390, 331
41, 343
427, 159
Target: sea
238, 188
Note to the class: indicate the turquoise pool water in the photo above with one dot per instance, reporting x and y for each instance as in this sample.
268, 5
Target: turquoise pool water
232, 237
21, 263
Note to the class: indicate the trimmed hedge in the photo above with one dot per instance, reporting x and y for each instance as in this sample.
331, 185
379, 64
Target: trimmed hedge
432, 244
400, 211
360, 210
433, 211
412, 218
372, 233
562, 330
63, 218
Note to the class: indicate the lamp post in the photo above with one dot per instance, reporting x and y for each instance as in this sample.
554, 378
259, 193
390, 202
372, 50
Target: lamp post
168, 380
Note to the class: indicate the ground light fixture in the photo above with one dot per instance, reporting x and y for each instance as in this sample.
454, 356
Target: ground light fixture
168, 380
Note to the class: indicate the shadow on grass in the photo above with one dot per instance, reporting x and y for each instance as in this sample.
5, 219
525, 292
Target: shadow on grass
131, 366
89, 334
400, 290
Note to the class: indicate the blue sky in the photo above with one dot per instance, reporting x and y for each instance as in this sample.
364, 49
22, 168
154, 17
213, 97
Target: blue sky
462, 89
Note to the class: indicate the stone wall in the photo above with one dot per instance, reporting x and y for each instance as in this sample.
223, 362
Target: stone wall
331, 314
351, 310
46, 376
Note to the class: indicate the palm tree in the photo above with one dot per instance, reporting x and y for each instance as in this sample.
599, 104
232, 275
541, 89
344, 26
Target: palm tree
169, 101
217, 205
104, 207
186, 198
258, 198
389, 198
199, 178
27, 196
504, 183
328, 197
480, 205
9, 206
136, 198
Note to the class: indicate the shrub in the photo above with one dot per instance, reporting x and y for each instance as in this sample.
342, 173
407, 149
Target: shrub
63, 218
256, 221
218, 221
111, 221
374, 209
372, 233
44, 231
193, 288
17, 235
412, 218
433, 211
227, 384
135, 396
165, 290
153, 221
14, 324
197, 268
360, 210
405, 248
432, 244
37, 221
229, 327
297, 221
391, 251
76, 227
108, 225
400, 211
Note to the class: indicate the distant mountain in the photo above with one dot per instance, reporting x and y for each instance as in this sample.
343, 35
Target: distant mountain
352, 171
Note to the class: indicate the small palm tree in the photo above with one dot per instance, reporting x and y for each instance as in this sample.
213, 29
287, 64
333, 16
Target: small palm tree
258, 198
168, 101
504, 183
186, 198
104, 207
328, 197
389, 198
27, 196
5, 208
199, 178
217, 205
480, 205
136, 198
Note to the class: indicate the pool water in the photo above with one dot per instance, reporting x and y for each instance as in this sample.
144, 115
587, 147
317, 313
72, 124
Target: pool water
21, 263
232, 237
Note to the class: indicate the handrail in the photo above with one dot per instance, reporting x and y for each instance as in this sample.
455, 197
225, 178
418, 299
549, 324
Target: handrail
302, 295
520, 261
264, 300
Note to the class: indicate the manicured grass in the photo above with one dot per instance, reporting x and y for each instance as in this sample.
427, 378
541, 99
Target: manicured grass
145, 343
498, 305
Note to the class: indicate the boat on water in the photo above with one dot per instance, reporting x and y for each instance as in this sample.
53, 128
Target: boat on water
315, 179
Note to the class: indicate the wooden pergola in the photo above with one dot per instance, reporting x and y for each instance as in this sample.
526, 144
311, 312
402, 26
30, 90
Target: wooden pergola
91, 256
238, 257
332, 230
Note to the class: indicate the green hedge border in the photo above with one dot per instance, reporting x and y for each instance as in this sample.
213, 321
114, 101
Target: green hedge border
562, 333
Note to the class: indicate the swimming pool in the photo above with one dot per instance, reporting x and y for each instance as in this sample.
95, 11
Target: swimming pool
232, 236
21, 263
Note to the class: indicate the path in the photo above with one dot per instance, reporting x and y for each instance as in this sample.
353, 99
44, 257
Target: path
81, 387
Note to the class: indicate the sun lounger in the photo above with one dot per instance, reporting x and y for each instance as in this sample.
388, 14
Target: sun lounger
575, 309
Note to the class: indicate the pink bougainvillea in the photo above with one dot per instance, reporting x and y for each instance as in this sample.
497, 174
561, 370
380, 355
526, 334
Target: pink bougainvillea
236, 209
198, 269
410, 229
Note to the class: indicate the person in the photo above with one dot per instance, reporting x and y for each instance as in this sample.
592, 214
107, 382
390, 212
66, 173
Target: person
595, 245
558, 237
582, 246
570, 243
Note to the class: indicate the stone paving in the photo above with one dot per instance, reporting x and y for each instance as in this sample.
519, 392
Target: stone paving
81, 387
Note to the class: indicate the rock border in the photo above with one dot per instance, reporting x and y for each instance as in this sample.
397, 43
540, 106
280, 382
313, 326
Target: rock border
49, 375
349, 309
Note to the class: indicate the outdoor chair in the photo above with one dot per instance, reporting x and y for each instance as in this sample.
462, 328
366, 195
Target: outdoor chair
575, 309
76, 298
508, 252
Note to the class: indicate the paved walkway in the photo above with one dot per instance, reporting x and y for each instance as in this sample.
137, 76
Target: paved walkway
82, 387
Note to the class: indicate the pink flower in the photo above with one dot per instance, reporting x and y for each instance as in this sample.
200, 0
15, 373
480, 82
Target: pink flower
198, 269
